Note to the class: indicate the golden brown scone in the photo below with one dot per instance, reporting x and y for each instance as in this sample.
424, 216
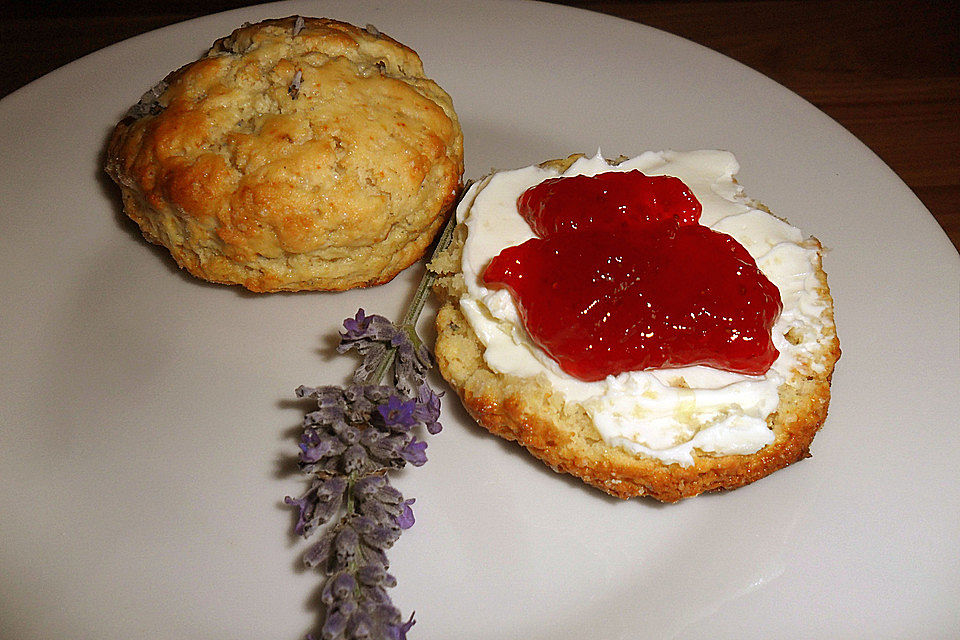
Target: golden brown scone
297, 154
563, 435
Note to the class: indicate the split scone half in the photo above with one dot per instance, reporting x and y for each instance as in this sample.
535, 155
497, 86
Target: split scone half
297, 154
668, 434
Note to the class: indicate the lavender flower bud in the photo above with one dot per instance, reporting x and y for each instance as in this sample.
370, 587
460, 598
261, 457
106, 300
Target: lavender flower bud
324, 416
364, 523
318, 504
376, 556
353, 393
294, 87
331, 488
370, 436
378, 513
378, 393
372, 357
388, 449
369, 485
348, 435
346, 607
319, 554
381, 329
381, 537
342, 587
330, 397
323, 514
326, 396
303, 391
374, 599
360, 405
387, 494
334, 625
354, 459
371, 574
361, 626
424, 357
345, 546
338, 589
385, 611
404, 372
327, 467
413, 361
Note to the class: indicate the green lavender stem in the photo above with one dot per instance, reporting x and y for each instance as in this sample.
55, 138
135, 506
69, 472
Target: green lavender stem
409, 322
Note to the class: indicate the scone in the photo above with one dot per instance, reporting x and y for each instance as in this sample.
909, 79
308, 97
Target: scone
297, 154
666, 433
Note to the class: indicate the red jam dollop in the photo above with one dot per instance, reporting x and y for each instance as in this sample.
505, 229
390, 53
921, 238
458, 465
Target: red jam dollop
654, 289
616, 201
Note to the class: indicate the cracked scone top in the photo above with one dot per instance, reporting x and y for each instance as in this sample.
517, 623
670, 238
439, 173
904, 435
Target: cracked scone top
297, 154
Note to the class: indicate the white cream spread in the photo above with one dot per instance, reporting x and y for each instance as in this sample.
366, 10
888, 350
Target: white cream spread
665, 413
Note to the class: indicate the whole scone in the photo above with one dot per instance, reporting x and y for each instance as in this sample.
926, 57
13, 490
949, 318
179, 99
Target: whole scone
512, 396
296, 154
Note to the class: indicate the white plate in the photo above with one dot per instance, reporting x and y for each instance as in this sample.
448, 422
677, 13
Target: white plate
148, 418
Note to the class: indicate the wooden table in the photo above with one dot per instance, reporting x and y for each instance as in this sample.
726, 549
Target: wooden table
887, 70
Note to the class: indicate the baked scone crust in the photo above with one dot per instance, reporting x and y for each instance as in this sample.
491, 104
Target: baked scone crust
563, 436
297, 154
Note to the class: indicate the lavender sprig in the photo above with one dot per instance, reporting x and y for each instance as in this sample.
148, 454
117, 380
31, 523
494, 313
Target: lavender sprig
356, 435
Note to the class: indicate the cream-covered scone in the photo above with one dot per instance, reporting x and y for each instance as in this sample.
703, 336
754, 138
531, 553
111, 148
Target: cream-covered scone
666, 433
297, 154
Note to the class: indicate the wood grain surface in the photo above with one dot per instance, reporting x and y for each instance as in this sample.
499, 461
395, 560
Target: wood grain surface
887, 70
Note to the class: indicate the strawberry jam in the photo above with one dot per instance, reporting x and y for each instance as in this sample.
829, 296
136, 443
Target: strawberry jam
654, 289
616, 201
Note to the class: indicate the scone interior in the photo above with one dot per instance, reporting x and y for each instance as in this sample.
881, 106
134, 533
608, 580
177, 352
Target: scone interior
666, 434
297, 154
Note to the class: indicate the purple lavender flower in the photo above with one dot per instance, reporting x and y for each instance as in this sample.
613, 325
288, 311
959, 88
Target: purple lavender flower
398, 413
316, 445
399, 632
405, 520
306, 505
415, 453
370, 336
427, 411
356, 434
319, 504
356, 327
